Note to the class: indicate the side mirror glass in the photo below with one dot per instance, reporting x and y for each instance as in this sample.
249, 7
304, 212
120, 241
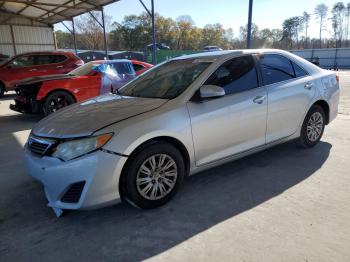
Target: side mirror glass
211, 91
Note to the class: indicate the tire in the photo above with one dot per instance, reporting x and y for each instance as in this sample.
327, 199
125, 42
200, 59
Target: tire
137, 178
56, 101
315, 121
2, 89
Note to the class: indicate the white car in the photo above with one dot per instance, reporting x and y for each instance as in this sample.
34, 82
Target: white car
184, 116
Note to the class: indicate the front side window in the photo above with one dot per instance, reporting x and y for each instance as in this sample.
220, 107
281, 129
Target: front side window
167, 80
236, 75
27, 60
276, 68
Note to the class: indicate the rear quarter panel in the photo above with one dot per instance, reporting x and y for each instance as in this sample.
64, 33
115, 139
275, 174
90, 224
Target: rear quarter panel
329, 90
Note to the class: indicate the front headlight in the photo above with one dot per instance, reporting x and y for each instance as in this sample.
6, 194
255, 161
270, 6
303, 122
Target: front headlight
75, 148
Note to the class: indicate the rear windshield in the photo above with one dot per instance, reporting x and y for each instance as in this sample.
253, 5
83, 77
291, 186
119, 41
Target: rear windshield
124, 68
84, 69
115, 68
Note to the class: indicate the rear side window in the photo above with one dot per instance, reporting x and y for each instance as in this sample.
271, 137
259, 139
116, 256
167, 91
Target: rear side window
236, 75
57, 58
137, 67
42, 60
299, 72
276, 68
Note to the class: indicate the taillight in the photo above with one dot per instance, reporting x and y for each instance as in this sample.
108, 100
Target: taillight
337, 78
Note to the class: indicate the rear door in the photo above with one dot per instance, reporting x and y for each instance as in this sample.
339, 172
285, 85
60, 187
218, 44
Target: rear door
57, 64
228, 125
290, 90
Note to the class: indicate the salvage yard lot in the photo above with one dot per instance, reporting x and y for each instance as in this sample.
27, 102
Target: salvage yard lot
282, 204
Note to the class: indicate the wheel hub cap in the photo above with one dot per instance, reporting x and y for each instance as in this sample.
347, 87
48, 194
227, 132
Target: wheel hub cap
156, 177
315, 126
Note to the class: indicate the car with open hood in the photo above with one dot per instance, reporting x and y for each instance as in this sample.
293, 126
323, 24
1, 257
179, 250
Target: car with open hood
47, 94
183, 116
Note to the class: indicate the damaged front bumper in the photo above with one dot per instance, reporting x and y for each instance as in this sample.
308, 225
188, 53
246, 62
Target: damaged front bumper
87, 182
26, 105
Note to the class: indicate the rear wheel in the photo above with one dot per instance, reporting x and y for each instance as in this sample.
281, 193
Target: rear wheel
313, 127
2, 89
154, 175
56, 101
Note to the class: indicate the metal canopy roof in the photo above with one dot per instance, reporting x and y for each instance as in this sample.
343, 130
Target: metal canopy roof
48, 12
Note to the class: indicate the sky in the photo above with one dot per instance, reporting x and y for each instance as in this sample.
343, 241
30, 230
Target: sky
230, 13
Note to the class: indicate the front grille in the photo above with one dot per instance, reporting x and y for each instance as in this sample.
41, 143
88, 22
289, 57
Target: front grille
29, 91
40, 146
73, 193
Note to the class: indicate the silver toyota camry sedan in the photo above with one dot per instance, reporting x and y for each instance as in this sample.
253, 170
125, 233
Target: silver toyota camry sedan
183, 116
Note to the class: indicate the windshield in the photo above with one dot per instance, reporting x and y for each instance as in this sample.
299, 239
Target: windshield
84, 69
167, 80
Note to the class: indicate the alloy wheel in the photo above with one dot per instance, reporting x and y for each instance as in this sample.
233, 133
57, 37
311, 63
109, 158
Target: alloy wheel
314, 126
156, 177
57, 103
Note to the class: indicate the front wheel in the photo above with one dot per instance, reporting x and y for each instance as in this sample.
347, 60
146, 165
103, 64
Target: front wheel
313, 127
154, 175
56, 101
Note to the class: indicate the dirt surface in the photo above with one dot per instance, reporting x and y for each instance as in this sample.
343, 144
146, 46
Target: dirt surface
283, 204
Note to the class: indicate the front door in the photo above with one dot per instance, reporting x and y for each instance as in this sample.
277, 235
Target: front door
20, 68
228, 125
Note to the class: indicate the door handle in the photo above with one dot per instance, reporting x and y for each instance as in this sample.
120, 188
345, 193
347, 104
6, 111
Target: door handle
308, 85
59, 66
259, 99
34, 69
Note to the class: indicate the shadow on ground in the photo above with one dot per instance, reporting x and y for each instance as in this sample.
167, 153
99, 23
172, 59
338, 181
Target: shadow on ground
123, 233
8, 96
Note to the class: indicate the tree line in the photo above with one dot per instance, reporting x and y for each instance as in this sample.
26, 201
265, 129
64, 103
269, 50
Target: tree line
134, 32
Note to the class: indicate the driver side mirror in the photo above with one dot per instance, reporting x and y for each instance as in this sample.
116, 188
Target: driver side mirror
211, 91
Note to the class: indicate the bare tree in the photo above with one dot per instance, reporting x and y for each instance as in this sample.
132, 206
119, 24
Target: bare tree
321, 12
338, 12
90, 32
347, 24
306, 21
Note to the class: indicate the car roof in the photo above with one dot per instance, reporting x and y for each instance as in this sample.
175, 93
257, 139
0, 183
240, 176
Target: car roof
111, 61
46, 53
228, 53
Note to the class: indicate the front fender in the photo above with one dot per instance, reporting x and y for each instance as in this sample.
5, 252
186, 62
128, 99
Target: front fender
132, 133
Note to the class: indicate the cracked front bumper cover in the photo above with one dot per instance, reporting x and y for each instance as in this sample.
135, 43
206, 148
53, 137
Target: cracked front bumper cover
26, 105
99, 170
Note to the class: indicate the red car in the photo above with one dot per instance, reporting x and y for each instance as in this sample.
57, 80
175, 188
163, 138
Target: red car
47, 94
35, 64
140, 67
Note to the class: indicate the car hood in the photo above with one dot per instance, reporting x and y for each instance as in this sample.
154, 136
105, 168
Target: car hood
85, 118
38, 79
